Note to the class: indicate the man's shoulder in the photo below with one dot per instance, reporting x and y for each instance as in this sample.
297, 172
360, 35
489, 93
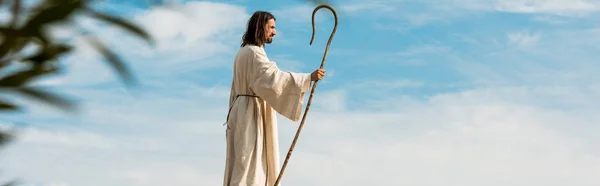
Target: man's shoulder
251, 49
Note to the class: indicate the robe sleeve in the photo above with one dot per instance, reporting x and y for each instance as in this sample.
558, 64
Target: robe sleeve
284, 91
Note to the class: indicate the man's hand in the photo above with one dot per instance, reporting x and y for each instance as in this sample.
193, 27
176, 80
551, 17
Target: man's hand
317, 74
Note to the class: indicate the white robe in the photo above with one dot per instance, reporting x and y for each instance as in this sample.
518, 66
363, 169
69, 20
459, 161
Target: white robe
252, 157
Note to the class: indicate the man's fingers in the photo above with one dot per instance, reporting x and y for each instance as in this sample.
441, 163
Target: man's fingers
320, 73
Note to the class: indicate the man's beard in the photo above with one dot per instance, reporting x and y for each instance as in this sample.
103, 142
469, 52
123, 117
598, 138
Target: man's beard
269, 40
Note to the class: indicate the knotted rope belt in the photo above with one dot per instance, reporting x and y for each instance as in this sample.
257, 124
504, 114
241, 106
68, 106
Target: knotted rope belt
233, 103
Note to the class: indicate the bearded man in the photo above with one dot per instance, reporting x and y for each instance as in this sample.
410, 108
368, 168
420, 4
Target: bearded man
259, 90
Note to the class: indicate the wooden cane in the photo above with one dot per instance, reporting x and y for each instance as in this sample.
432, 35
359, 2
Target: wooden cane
287, 158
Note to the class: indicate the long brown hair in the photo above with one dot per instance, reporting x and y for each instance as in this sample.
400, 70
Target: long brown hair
255, 31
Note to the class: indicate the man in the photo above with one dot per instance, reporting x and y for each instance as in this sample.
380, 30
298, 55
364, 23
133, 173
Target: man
258, 90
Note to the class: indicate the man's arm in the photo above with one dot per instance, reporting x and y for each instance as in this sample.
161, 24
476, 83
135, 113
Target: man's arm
284, 91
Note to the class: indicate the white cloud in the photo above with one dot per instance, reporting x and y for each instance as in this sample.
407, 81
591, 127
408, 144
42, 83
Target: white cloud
552, 7
464, 138
408, 14
72, 139
328, 101
549, 57
558, 7
121, 140
523, 39
556, 20
493, 136
189, 35
194, 27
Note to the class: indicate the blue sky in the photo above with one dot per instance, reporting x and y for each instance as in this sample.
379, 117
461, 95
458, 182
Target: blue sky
441, 92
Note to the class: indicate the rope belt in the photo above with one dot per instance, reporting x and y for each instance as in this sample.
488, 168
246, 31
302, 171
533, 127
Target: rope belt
233, 103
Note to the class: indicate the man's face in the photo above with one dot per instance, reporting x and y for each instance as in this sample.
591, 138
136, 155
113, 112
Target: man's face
270, 30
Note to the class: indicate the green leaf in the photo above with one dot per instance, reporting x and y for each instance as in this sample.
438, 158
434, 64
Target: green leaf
47, 97
4, 29
122, 23
19, 44
52, 13
5, 137
43, 36
113, 60
4, 63
11, 38
5, 106
49, 13
49, 52
23, 77
16, 10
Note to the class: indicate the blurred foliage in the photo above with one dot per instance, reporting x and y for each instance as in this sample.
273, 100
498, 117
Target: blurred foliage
28, 26
4, 138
